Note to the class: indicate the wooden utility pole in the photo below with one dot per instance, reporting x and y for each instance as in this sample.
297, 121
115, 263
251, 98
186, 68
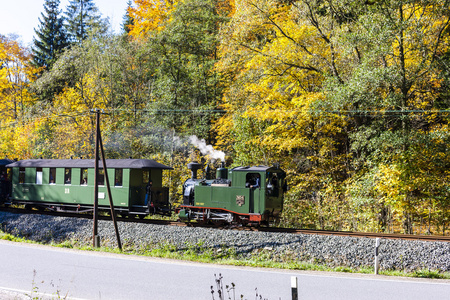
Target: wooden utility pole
95, 237
99, 144
111, 203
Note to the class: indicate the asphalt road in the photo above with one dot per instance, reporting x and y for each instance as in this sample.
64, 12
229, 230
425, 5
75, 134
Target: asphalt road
45, 272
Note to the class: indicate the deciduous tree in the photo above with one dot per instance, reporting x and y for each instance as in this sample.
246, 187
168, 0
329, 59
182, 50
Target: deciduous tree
149, 16
16, 73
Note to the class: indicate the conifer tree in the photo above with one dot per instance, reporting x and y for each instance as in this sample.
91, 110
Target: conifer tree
50, 37
83, 16
127, 19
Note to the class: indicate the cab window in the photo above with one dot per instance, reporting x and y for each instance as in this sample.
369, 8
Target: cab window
253, 180
273, 184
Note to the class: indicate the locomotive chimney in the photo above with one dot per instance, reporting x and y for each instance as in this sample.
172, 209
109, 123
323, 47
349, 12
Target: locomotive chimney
194, 166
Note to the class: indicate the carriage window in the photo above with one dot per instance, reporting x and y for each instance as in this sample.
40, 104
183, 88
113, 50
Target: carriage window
38, 175
101, 177
67, 176
52, 178
145, 176
21, 175
118, 177
84, 177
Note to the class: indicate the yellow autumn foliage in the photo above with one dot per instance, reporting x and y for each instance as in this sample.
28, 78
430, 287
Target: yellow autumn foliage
275, 75
17, 130
74, 131
149, 15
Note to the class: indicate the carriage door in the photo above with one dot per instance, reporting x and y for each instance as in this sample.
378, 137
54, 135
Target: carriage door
253, 182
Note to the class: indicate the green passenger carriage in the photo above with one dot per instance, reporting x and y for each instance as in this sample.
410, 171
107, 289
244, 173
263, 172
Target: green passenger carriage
68, 184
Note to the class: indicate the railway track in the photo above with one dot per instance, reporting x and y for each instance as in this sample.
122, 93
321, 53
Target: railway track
433, 238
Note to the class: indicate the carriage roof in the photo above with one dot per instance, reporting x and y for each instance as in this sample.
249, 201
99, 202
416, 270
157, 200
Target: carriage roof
89, 163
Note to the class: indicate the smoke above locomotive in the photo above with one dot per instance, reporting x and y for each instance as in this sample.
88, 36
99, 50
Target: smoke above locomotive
207, 149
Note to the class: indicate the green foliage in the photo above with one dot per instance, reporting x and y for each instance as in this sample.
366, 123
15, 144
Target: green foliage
184, 85
13, 238
429, 274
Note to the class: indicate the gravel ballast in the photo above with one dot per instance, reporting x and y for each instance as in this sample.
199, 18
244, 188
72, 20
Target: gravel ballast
332, 251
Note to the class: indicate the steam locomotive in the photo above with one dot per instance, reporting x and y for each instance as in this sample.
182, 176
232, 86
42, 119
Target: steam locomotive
241, 194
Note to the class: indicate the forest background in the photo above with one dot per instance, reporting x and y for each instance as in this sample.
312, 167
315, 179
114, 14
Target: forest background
350, 97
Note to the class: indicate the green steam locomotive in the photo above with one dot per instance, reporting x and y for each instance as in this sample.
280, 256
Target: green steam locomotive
241, 195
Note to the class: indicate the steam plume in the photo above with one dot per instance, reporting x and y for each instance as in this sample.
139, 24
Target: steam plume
206, 149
